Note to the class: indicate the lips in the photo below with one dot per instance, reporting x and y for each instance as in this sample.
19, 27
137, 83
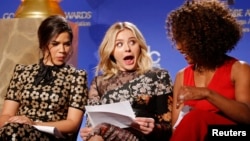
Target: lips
61, 58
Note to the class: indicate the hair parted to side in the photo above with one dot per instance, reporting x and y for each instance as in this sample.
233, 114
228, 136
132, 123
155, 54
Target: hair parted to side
206, 28
107, 65
51, 27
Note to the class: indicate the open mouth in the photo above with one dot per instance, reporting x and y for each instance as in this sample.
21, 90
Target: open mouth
129, 60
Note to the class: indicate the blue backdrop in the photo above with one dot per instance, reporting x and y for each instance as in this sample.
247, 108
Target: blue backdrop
95, 16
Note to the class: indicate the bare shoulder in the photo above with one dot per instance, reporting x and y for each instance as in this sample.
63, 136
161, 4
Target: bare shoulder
179, 74
241, 69
241, 66
241, 62
179, 77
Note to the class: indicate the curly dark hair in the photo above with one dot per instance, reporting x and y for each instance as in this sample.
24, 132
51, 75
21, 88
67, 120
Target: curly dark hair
207, 29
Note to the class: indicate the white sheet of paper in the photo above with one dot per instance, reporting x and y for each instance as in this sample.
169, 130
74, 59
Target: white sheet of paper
120, 114
49, 129
183, 112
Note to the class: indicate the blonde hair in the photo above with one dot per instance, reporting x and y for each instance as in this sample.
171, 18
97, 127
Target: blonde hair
106, 65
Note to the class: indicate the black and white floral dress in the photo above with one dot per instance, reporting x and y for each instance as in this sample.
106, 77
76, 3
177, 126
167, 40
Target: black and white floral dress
44, 94
150, 95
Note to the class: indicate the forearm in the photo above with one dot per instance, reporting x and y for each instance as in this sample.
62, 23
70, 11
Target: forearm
3, 119
236, 110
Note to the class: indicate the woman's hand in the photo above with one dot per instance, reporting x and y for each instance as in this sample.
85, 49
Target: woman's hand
84, 132
21, 119
145, 125
191, 93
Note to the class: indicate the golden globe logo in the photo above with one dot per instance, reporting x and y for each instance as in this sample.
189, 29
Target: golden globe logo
8, 15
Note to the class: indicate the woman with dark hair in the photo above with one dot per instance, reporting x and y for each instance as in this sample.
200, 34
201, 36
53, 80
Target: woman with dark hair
215, 87
49, 93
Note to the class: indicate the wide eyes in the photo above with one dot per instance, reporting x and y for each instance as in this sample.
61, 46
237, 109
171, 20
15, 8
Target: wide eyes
130, 43
119, 44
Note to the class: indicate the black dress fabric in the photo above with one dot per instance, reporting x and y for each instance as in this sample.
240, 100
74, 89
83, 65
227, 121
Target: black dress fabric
150, 95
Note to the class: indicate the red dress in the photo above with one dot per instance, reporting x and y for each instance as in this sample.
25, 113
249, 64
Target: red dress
194, 125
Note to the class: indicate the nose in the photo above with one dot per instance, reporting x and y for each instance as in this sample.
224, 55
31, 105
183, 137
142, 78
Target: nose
181, 51
62, 48
127, 47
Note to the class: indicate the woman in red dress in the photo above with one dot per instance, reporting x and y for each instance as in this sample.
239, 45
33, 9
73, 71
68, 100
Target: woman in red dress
214, 85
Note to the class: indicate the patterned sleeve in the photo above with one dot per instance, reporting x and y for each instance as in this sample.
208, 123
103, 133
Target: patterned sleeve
16, 84
93, 96
79, 90
163, 106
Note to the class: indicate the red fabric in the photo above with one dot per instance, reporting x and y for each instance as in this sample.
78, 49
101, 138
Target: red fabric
220, 83
194, 125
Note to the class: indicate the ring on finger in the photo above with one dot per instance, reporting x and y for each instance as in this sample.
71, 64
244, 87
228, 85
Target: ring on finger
181, 97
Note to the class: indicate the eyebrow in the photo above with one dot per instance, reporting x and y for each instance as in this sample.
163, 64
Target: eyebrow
128, 38
55, 41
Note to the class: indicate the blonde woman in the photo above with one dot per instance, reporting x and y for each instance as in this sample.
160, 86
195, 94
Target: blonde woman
125, 72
